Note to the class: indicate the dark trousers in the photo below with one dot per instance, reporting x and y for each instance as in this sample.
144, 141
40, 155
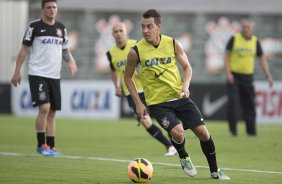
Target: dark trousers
241, 91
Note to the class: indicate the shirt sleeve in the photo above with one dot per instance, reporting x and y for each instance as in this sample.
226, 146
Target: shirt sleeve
110, 60
65, 38
29, 35
259, 49
229, 45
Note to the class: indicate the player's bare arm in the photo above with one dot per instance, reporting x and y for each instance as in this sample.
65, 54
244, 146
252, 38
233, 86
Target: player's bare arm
16, 79
265, 69
229, 76
67, 56
130, 66
182, 59
116, 82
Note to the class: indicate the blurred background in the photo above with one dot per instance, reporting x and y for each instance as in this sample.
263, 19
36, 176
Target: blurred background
202, 26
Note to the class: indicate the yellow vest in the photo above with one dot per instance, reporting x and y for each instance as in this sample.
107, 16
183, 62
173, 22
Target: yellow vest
119, 57
159, 72
243, 54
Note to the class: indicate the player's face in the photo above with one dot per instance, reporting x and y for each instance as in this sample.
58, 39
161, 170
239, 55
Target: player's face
150, 30
247, 29
50, 10
119, 33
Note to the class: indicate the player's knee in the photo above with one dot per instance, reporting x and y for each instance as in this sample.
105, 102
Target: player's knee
177, 133
202, 133
146, 122
44, 109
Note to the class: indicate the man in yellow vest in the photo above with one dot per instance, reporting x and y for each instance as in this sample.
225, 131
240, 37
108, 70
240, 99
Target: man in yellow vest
117, 56
241, 51
166, 95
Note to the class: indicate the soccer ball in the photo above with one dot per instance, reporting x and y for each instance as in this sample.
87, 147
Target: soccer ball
140, 170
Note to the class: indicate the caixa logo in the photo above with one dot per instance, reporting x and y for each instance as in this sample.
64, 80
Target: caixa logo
90, 100
25, 100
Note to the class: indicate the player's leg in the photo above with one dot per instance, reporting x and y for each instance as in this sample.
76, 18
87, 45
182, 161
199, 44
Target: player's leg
55, 101
51, 129
165, 116
247, 100
192, 119
232, 93
40, 126
178, 141
208, 149
207, 146
40, 98
155, 132
152, 129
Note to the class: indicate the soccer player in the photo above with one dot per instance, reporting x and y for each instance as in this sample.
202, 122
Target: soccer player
117, 58
46, 42
166, 95
241, 51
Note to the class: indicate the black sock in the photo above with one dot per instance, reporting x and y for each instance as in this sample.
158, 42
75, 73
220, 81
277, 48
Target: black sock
40, 138
180, 147
157, 134
208, 149
51, 141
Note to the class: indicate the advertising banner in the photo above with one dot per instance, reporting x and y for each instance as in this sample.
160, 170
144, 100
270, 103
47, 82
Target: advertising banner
269, 102
96, 100
212, 101
80, 99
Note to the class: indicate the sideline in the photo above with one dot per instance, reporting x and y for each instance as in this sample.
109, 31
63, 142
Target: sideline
119, 160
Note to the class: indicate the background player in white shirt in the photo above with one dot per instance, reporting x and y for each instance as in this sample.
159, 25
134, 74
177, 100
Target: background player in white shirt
46, 43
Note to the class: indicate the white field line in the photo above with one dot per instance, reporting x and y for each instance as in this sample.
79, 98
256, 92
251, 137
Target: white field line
127, 161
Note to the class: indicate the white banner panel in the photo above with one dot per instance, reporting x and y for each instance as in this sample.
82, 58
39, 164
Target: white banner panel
80, 99
269, 102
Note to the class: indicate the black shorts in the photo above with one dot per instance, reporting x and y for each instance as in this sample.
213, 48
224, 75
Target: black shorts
170, 114
45, 90
132, 104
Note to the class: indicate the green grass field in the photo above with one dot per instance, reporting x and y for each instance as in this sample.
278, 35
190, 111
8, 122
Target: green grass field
104, 149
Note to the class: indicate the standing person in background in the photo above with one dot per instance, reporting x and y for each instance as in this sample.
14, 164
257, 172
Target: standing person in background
46, 42
241, 51
117, 58
166, 94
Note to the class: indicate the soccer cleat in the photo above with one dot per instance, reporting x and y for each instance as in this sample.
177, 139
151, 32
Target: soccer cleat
219, 175
55, 152
44, 150
170, 151
187, 166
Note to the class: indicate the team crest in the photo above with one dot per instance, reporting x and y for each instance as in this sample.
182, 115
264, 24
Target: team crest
59, 32
42, 96
165, 122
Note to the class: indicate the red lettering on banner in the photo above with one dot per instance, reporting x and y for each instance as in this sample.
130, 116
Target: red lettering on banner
269, 102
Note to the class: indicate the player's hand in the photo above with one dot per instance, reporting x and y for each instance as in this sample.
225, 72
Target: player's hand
141, 111
118, 92
184, 92
230, 78
270, 81
16, 79
72, 68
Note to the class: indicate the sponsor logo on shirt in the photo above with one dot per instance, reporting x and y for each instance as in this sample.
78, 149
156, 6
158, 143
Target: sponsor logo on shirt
28, 34
52, 41
158, 61
59, 32
158, 75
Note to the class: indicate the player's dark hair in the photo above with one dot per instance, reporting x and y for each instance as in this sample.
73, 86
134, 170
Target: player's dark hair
43, 2
152, 13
